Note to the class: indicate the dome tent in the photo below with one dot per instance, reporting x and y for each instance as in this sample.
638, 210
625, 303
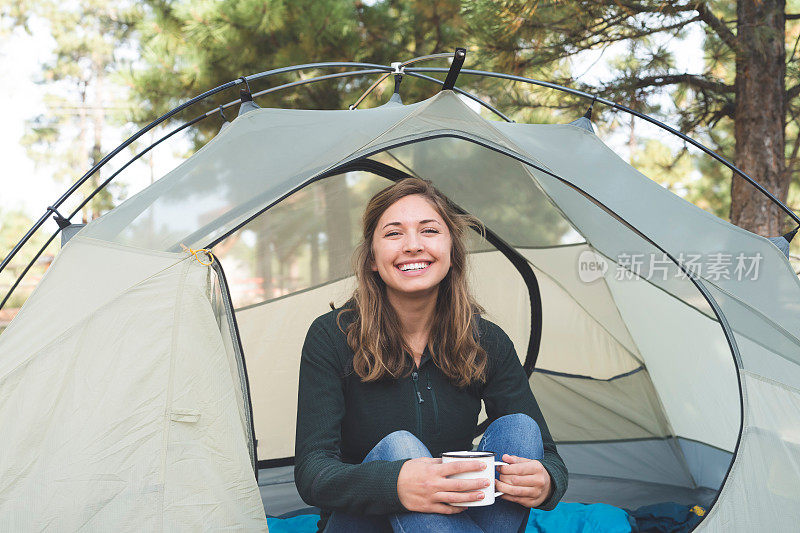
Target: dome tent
658, 383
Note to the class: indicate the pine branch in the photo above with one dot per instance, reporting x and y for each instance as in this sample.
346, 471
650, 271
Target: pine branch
595, 39
716, 24
692, 80
727, 110
792, 16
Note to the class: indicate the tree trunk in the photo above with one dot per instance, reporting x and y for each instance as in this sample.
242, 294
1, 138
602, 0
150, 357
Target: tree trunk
314, 240
83, 150
337, 225
760, 115
263, 256
102, 200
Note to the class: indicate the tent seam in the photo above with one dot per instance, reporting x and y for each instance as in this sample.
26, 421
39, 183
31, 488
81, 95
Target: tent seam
770, 381
737, 455
777, 326
647, 431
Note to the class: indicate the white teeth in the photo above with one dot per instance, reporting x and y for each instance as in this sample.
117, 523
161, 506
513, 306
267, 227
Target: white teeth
412, 266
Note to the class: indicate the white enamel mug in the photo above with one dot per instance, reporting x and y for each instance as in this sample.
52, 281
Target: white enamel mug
487, 458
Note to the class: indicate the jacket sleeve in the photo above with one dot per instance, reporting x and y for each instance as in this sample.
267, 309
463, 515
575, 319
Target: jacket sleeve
507, 391
322, 479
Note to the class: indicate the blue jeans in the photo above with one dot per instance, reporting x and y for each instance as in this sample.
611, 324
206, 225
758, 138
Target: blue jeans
516, 434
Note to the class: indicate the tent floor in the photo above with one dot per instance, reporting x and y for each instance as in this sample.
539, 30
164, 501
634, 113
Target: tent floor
280, 496
631, 494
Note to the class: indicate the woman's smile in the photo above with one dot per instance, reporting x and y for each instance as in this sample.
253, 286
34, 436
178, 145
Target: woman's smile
414, 268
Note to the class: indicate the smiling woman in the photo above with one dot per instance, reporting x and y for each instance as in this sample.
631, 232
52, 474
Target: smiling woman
397, 376
405, 224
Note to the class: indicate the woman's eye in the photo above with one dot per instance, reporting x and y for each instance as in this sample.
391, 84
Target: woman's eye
430, 230
392, 234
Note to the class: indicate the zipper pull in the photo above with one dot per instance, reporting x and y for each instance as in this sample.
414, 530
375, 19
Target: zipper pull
415, 378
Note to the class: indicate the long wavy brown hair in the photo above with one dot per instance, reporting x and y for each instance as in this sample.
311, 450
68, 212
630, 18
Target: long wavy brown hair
379, 348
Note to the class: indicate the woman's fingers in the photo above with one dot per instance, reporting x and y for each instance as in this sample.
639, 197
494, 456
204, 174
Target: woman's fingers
443, 508
459, 467
514, 490
461, 485
524, 481
521, 466
516, 499
458, 497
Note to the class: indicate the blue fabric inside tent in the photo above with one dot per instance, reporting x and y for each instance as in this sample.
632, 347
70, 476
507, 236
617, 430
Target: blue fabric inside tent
566, 517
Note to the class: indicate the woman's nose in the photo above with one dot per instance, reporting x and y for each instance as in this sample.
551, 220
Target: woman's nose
412, 243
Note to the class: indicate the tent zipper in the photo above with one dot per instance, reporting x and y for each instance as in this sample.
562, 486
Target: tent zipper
435, 407
417, 401
233, 327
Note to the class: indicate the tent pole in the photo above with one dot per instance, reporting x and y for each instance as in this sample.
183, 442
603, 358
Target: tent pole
30, 264
625, 109
88, 198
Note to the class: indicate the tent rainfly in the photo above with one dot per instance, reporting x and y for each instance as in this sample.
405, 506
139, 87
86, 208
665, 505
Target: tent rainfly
138, 391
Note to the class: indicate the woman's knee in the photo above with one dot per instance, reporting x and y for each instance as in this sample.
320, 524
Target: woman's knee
519, 422
517, 434
400, 444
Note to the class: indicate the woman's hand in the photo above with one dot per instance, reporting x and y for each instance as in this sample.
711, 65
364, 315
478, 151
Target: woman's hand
524, 481
423, 485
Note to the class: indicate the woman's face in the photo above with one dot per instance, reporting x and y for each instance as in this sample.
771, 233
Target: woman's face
411, 246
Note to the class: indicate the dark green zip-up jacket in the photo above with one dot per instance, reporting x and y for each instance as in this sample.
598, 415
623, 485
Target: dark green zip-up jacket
340, 418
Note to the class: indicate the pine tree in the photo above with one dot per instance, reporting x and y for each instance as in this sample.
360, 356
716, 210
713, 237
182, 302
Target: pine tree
741, 91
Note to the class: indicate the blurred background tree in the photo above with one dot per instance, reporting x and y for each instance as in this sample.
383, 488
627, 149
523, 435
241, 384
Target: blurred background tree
68, 137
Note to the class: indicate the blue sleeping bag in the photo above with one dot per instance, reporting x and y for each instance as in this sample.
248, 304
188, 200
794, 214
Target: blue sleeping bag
579, 518
566, 517
300, 523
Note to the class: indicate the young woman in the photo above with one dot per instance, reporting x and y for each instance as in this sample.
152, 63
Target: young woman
396, 377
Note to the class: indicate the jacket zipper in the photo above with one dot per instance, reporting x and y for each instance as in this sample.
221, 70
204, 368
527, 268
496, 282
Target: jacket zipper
435, 407
417, 401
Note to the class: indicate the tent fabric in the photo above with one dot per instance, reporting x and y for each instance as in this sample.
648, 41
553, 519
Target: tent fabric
649, 460
127, 418
762, 487
631, 368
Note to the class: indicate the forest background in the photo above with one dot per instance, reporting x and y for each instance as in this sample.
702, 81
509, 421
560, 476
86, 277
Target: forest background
112, 67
